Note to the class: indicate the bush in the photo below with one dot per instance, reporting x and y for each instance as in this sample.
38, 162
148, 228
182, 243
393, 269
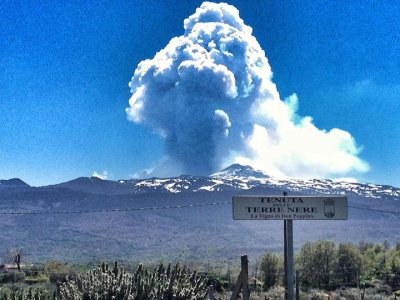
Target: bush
13, 277
161, 283
271, 266
57, 271
27, 294
217, 281
36, 278
169, 283
275, 293
317, 295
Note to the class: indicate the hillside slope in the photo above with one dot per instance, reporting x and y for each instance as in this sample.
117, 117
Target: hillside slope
181, 228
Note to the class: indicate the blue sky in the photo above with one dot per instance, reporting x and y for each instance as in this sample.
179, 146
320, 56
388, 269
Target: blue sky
65, 69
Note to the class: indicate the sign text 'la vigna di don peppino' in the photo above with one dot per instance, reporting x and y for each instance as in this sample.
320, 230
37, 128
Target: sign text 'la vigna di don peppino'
289, 207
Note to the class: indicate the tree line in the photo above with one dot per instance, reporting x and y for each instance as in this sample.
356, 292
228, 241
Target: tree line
327, 265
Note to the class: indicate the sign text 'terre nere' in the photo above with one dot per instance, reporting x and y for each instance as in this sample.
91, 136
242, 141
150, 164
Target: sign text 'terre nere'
289, 207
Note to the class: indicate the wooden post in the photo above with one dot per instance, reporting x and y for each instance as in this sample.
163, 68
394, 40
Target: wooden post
297, 285
238, 286
211, 292
245, 277
255, 277
243, 280
358, 280
229, 279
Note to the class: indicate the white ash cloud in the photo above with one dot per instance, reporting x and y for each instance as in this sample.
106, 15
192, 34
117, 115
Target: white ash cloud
209, 94
102, 175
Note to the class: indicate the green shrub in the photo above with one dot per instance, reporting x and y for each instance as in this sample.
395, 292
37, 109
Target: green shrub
57, 271
27, 294
161, 283
217, 281
275, 293
36, 278
271, 266
8, 277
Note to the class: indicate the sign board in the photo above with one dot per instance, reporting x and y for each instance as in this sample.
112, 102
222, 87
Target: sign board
289, 207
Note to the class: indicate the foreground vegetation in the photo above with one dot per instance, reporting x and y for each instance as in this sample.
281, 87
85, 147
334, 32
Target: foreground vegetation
105, 283
325, 270
328, 266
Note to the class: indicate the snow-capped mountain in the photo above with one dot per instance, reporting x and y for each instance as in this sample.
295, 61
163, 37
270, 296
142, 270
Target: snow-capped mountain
239, 171
190, 230
234, 178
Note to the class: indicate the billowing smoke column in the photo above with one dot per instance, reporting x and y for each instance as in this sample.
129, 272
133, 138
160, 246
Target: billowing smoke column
209, 94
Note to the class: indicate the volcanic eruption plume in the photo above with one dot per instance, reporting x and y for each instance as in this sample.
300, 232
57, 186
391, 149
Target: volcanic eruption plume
209, 94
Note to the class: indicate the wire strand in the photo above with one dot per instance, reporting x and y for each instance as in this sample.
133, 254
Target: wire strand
48, 212
375, 210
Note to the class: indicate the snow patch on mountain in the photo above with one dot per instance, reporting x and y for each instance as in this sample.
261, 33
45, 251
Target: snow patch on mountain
237, 177
234, 178
239, 171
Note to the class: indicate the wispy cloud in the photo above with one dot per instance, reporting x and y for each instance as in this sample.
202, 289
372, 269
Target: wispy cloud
346, 179
102, 175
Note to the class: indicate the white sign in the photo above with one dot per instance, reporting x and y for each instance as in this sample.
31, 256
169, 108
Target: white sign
289, 207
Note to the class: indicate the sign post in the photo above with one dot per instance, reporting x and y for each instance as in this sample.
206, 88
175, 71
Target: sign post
289, 269
289, 208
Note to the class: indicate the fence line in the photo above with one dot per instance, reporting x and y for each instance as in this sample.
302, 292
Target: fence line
48, 212
113, 210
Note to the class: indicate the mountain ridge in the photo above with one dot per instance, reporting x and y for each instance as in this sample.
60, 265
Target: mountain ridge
239, 170
93, 219
13, 182
238, 178
233, 178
